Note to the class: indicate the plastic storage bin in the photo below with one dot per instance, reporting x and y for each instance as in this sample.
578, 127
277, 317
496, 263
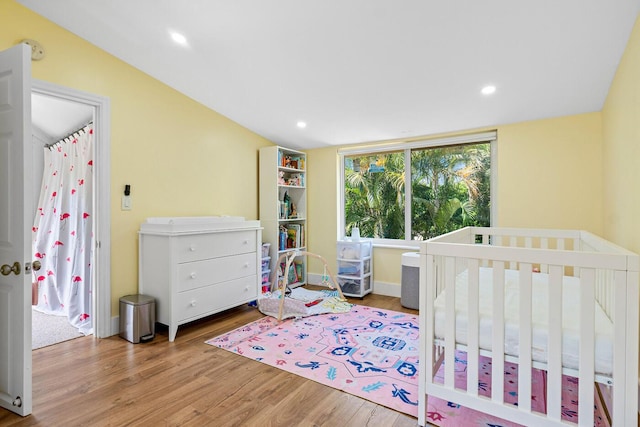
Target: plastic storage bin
265, 249
355, 287
266, 285
410, 280
354, 268
137, 318
356, 249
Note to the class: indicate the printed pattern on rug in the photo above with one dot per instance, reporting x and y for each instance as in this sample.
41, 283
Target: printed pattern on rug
373, 353
448, 414
367, 352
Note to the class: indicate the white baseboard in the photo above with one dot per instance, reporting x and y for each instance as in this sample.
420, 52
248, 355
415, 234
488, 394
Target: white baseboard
379, 288
115, 325
388, 289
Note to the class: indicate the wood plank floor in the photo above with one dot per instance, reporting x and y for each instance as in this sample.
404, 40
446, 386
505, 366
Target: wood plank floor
111, 382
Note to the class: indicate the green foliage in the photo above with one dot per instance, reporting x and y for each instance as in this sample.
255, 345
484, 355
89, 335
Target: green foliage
450, 189
374, 201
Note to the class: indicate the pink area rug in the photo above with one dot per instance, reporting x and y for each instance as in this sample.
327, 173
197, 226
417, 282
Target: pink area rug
448, 414
373, 353
366, 352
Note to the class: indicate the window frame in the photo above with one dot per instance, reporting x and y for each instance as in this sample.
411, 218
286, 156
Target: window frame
407, 147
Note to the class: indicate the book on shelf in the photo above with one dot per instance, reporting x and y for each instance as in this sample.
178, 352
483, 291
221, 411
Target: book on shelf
296, 272
295, 236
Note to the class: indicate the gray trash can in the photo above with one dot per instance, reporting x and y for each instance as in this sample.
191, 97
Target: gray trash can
410, 280
137, 318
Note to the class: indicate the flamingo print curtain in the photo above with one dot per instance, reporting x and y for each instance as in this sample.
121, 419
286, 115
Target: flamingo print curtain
62, 231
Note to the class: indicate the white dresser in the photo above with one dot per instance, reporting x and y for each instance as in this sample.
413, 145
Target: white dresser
198, 266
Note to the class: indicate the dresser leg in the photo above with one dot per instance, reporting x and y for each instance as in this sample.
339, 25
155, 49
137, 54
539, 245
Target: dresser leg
173, 330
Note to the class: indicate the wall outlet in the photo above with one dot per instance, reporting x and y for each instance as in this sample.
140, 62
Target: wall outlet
126, 203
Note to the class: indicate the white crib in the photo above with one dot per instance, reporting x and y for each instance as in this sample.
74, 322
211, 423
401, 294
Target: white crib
494, 291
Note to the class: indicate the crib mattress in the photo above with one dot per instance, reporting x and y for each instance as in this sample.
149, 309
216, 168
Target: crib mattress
570, 313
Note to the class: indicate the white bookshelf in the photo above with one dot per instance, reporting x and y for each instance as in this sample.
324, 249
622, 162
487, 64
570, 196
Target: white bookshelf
283, 206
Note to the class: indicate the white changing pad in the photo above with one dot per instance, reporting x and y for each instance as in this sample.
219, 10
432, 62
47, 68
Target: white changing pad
570, 313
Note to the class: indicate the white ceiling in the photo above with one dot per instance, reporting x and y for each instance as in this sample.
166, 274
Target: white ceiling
56, 118
365, 70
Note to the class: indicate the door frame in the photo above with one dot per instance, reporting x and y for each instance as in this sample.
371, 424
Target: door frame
101, 284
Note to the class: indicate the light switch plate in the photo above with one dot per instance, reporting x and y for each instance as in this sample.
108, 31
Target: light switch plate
126, 203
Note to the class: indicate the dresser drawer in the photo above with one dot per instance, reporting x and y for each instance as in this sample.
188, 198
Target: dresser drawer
196, 274
211, 299
202, 246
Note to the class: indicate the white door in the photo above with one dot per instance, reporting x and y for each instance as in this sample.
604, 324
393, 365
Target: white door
16, 215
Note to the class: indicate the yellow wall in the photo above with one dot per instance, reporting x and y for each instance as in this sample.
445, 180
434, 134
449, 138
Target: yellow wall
550, 173
549, 176
179, 157
621, 129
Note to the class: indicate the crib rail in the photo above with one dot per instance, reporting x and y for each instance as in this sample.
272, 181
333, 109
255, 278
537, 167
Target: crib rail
607, 274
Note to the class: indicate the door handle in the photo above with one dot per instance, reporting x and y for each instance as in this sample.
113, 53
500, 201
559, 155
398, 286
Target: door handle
7, 269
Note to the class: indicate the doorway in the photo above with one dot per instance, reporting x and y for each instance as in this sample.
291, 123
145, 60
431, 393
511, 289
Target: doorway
53, 119
85, 107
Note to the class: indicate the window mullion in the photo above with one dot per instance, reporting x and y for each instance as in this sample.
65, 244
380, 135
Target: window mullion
341, 203
407, 194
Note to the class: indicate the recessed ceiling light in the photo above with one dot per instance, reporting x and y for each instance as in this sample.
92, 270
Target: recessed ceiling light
488, 90
301, 125
178, 38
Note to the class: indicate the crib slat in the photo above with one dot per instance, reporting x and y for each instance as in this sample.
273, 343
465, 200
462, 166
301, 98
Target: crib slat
576, 247
586, 349
473, 327
513, 242
624, 313
497, 344
427, 296
631, 387
554, 345
450, 327
524, 361
619, 316
544, 244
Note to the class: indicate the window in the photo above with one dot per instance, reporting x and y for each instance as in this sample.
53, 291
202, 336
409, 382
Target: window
450, 188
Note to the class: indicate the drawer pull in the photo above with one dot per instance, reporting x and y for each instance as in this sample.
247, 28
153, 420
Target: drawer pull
193, 275
246, 242
246, 265
193, 303
192, 248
